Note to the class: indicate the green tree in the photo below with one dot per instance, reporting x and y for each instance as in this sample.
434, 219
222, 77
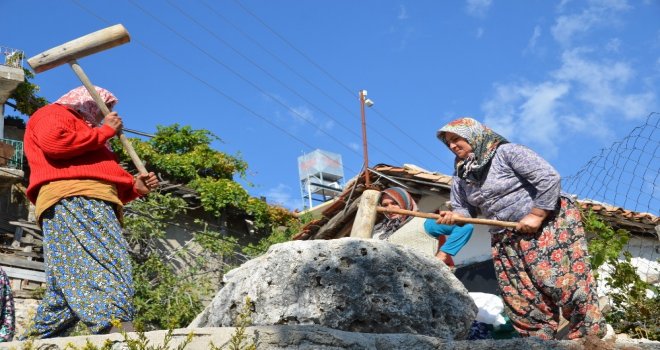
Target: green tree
25, 95
167, 296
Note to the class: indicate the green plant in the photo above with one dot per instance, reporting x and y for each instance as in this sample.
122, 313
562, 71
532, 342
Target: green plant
139, 343
38, 293
166, 297
635, 304
607, 243
25, 95
142, 343
239, 339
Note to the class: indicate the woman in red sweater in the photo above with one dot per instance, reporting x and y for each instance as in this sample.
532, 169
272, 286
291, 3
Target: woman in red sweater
79, 189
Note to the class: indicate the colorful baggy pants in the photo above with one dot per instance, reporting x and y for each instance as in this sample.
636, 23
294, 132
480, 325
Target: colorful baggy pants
88, 270
547, 274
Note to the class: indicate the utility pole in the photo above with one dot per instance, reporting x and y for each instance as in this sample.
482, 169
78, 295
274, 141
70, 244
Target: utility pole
365, 101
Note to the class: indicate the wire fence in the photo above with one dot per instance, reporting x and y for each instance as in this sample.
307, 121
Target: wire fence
623, 179
625, 174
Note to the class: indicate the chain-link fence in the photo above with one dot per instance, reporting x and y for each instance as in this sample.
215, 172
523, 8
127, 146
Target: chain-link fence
626, 174
621, 185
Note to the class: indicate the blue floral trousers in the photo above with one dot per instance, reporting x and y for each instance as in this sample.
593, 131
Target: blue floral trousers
88, 269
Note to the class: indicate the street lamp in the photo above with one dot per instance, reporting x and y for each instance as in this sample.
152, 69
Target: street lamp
365, 101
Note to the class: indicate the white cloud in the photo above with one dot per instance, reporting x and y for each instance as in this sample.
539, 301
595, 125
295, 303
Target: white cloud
589, 124
562, 5
403, 13
582, 97
602, 85
614, 45
527, 113
407, 33
531, 44
327, 125
570, 27
354, 146
401, 31
478, 8
480, 32
567, 27
281, 195
302, 114
586, 95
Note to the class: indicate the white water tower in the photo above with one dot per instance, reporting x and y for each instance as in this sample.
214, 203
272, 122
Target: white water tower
321, 174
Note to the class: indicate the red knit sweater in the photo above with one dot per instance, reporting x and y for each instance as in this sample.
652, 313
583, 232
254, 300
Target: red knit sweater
59, 145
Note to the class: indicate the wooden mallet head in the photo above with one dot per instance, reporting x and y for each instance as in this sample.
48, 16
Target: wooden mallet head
84, 46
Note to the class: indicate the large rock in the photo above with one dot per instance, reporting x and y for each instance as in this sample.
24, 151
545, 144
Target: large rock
348, 284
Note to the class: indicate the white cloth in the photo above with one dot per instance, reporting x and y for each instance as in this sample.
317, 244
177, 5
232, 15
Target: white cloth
490, 308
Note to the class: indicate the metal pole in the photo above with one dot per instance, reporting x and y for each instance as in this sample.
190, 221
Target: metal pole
364, 141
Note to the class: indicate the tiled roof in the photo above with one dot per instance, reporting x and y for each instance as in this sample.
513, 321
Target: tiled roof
635, 222
383, 176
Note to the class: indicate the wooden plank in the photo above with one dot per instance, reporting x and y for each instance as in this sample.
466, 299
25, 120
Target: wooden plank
25, 224
23, 294
24, 274
365, 218
21, 262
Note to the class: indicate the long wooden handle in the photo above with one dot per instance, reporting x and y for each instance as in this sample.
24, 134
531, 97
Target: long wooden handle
128, 147
506, 224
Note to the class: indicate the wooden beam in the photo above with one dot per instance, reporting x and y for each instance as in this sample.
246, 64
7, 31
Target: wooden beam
365, 218
23, 274
9, 260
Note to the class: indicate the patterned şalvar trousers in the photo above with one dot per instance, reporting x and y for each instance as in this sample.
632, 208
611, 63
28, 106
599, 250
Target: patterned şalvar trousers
88, 270
547, 274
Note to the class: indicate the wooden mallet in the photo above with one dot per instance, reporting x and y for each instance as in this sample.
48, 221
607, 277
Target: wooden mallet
84, 46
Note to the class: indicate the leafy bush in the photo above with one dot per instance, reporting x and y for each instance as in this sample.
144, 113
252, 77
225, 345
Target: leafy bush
635, 304
607, 243
169, 297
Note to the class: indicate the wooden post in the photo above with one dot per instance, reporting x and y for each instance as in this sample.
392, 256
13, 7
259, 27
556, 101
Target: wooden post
365, 218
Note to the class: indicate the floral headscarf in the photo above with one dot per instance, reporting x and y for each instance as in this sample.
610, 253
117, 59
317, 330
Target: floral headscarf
80, 100
484, 143
405, 201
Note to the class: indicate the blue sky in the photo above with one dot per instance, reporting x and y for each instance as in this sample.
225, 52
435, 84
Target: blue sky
276, 79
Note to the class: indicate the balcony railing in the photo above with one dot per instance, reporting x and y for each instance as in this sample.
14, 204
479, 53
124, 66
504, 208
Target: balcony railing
14, 161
